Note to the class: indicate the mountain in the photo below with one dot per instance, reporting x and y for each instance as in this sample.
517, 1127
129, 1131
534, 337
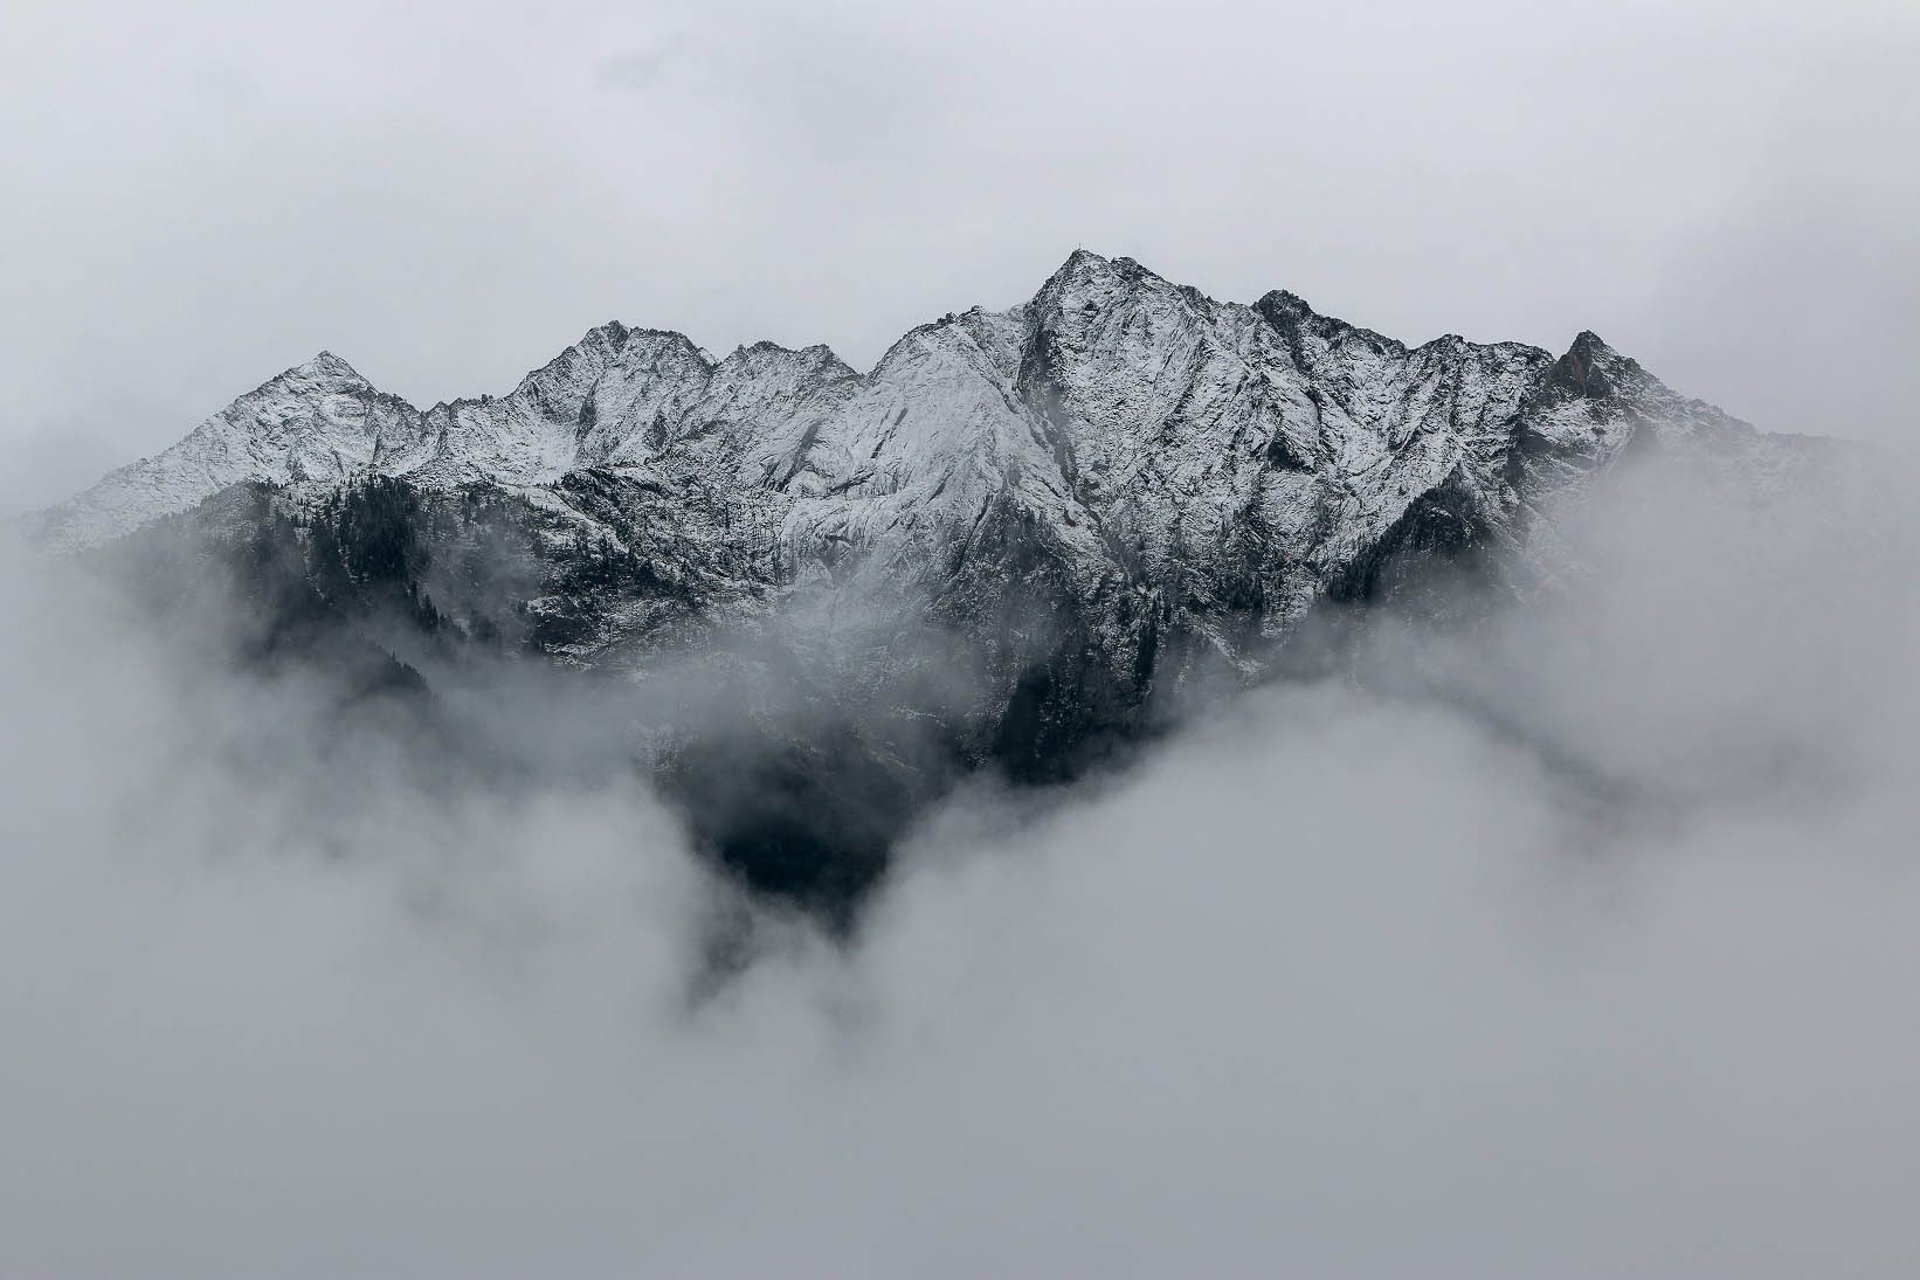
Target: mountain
1017, 541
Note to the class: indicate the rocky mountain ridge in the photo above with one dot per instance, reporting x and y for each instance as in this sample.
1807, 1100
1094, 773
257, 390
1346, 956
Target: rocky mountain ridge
1017, 537
1112, 370
1227, 457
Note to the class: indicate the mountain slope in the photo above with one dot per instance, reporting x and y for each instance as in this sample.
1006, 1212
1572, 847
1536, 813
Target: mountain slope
1012, 543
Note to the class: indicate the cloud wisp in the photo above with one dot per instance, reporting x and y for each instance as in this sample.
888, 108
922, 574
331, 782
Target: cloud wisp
1574, 941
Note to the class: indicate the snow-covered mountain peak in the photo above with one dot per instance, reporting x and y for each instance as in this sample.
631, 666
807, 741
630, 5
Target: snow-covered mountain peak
323, 366
1078, 264
1169, 415
1087, 282
1592, 368
1022, 536
766, 358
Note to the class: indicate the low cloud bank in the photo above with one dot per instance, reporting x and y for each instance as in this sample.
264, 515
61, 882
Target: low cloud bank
1578, 942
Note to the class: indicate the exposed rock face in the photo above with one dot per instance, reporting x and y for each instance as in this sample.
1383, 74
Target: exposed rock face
1005, 544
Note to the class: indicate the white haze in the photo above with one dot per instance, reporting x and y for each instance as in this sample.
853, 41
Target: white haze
1580, 944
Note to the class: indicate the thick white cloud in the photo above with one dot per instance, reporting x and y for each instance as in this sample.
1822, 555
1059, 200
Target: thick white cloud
1578, 944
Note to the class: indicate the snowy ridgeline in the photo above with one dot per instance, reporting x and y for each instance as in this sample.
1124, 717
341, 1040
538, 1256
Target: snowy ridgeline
1021, 538
1159, 458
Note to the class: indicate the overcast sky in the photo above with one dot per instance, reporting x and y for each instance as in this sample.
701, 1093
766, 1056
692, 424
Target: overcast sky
1596, 962
200, 194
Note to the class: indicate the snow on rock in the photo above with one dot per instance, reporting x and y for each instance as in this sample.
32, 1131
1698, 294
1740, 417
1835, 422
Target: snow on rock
1221, 458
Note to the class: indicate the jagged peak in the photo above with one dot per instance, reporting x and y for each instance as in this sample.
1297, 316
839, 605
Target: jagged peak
822, 352
1082, 269
975, 335
323, 367
1084, 266
624, 341
1076, 314
768, 347
603, 347
1591, 347
595, 348
616, 337
1289, 312
613, 333
1082, 260
322, 364
1088, 282
920, 337
637, 335
817, 360
1592, 368
1285, 302
1134, 269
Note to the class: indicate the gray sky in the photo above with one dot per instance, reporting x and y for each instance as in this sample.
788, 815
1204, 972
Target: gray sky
1338, 984
201, 194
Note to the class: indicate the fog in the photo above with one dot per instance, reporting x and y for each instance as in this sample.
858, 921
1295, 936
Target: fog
1577, 941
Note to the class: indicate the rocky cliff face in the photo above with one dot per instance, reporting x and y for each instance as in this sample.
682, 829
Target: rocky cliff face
1011, 543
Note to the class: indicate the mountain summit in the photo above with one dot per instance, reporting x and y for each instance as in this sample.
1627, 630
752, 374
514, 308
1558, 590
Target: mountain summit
1134, 392
1005, 545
